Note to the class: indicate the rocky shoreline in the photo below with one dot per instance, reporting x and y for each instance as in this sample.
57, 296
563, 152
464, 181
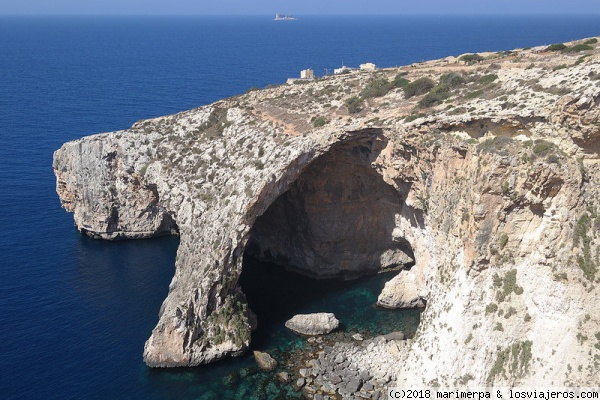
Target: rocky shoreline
341, 365
351, 369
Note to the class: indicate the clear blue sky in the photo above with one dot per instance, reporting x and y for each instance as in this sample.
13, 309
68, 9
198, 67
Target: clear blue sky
298, 7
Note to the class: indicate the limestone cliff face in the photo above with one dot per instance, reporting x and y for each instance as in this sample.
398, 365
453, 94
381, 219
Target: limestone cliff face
488, 185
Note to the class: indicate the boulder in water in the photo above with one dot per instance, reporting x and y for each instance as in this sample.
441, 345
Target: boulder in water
313, 324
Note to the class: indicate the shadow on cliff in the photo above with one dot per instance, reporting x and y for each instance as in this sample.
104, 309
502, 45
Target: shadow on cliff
336, 220
276, 295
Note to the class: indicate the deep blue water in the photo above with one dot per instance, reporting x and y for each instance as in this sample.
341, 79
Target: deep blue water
74, 312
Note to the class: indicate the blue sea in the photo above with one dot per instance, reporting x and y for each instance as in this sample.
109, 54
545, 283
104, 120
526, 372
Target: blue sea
75, 312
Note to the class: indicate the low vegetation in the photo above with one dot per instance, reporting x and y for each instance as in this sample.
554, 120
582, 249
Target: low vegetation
354, 104
556, 47
487, 79
436, 95
376, 88
572, 49
582, 239
577, 48
319, 122
418, 87
507, 285
452, 79
512, 362
470, 59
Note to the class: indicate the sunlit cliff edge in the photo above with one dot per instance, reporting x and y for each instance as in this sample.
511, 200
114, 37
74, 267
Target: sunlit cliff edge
483, 169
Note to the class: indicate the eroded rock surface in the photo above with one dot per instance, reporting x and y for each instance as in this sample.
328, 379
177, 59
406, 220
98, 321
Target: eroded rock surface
403, 291
490, 188
313, 324
265, 361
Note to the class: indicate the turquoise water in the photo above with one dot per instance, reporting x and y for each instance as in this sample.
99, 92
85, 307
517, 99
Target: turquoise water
276, 295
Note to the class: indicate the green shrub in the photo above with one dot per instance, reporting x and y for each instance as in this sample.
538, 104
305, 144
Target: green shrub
412, 117
497, 145
591, 41
491, 308
484, 80
553, 159
437, 95
376, 88
582, 59
320, 121
452, 79
509, 283
258, 164
469, 338
503, 241
541, 147
399, 81
577, 48
460, 110
510, 312
473, 94
471, 58
418, 87
513, 361
354, 105
440, 88
556, 47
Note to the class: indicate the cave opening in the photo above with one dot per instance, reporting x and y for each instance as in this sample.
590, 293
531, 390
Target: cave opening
334, 225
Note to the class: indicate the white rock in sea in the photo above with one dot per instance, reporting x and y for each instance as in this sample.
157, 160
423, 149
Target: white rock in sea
313, 324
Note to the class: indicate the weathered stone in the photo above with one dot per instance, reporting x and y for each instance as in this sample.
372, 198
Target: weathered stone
364, 375
358, 337
368, 386
309, 389
312, 324
403, 291
351, 386
265, 361
398, 335
283, 377
299, 384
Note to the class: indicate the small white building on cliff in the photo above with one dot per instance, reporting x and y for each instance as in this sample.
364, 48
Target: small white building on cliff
305, 75
367, 67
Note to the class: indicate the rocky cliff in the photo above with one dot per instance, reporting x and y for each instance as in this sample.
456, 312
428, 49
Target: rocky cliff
481, 171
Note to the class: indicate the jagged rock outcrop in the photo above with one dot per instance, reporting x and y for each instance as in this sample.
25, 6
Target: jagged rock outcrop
265, 361
403, 291
313, 324
489, 184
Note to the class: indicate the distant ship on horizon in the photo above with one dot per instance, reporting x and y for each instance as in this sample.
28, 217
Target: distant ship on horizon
284, 17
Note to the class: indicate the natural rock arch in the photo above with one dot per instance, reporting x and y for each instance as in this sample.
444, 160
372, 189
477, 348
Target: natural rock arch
336, 219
